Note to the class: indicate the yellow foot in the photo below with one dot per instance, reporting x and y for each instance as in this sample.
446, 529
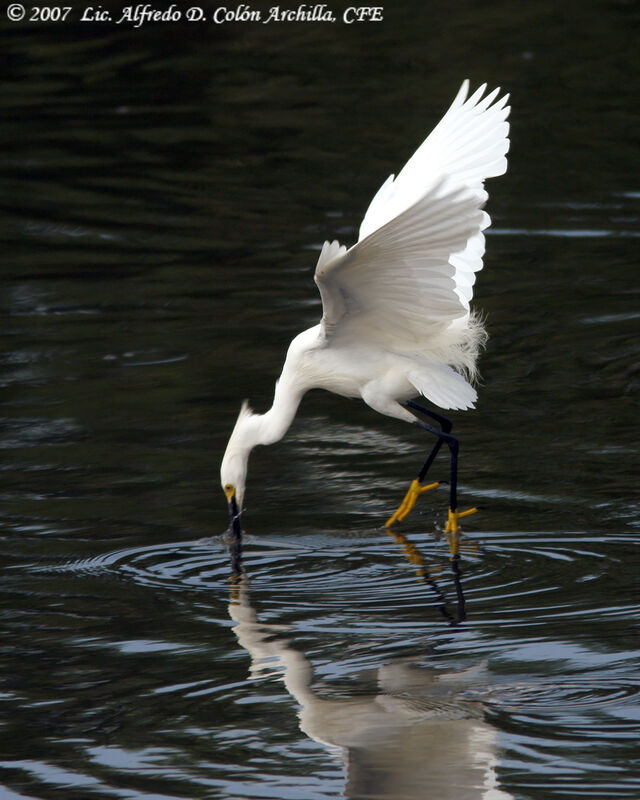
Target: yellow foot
452, 531
453, 534
451, 528
454, 516
410, 498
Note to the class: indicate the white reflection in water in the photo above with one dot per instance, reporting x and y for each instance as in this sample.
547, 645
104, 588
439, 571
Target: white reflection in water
416, 736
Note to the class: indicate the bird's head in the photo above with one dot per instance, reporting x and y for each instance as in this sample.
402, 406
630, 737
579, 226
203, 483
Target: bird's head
233, 470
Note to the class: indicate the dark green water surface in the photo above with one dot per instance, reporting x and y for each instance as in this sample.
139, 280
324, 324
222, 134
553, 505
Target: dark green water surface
165, 192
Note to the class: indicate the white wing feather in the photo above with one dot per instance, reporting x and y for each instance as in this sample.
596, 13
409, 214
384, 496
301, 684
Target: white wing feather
398, 282
468, 145
412, 271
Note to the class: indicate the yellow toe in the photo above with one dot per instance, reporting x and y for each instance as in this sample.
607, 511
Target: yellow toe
454, 516
409, 501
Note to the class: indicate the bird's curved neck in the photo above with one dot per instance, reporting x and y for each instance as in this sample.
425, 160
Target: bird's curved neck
272, 426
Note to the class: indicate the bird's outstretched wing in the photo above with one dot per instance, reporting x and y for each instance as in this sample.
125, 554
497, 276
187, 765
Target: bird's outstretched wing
412, 271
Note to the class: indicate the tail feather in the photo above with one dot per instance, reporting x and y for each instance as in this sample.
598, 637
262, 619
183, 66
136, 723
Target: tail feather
444, 386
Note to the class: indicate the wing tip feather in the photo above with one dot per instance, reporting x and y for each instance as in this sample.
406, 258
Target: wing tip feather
330, 251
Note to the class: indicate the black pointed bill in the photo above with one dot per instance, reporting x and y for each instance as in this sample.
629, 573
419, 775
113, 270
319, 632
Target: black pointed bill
234, 512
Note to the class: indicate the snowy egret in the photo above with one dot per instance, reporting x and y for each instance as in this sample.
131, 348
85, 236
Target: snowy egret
396, 319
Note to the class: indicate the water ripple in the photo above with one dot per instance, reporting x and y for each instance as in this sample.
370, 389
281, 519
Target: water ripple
569, 695
373, 573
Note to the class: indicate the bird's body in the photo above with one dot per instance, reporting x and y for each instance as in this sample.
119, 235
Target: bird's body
396, 318
381, 376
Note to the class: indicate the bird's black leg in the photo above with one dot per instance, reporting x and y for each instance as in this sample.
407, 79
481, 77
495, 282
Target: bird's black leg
445, 426
417, 488
443, 437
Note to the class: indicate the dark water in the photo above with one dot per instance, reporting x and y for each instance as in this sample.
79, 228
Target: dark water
165, 191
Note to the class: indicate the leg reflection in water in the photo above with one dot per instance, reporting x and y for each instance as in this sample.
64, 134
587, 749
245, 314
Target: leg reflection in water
427, 575
415, 735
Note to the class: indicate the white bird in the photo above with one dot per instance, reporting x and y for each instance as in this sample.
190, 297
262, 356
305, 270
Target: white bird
396, 319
